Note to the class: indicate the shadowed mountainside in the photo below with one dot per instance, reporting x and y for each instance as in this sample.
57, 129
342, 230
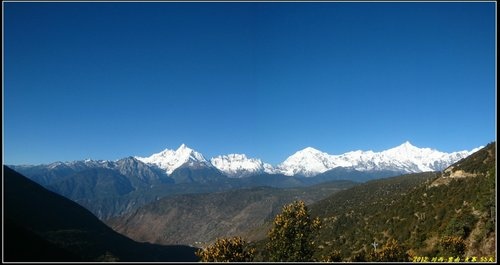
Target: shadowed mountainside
43, 226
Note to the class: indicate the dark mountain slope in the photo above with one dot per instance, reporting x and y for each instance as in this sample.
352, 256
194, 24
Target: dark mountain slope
197, 174
140, 174
351, 174
39, 215
103, 187
25, 245
92, 183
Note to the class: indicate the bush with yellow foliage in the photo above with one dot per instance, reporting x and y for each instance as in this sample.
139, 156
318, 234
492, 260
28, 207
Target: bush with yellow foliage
233, 249
292, 235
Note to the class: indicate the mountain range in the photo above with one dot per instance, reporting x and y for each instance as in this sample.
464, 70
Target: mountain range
310, 162
112, 188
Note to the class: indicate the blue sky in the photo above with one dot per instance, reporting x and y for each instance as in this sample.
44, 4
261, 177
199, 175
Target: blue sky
110, 80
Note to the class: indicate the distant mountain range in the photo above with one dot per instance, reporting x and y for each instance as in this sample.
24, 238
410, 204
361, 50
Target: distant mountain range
111, 188
310, 162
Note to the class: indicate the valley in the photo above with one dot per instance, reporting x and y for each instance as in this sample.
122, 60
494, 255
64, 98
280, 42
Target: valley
199, 219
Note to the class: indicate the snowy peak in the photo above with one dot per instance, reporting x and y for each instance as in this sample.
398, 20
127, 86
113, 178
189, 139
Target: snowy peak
170, 160
405, 147
238, 165
307, 162
405, 158
189, 154
407, 150
309, 150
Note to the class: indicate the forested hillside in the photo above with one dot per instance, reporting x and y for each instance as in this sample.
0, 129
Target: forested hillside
431, 215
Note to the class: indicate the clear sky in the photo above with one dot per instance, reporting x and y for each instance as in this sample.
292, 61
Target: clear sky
110, 80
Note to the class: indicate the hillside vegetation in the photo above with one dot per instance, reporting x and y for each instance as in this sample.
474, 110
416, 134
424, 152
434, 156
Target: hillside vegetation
427, 216
433, 216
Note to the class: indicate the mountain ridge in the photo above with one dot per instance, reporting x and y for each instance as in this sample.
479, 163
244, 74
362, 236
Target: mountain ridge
309, 162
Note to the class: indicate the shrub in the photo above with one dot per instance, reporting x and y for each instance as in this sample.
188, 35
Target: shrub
227, 250
392, 251
452, 246
292, 235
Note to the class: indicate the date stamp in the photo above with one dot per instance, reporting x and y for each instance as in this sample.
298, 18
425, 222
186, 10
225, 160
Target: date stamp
453, 259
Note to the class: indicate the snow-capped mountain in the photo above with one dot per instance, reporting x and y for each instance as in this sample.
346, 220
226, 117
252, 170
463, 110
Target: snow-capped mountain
307, 162
238, 165
405, 158
170, 160
310, 162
